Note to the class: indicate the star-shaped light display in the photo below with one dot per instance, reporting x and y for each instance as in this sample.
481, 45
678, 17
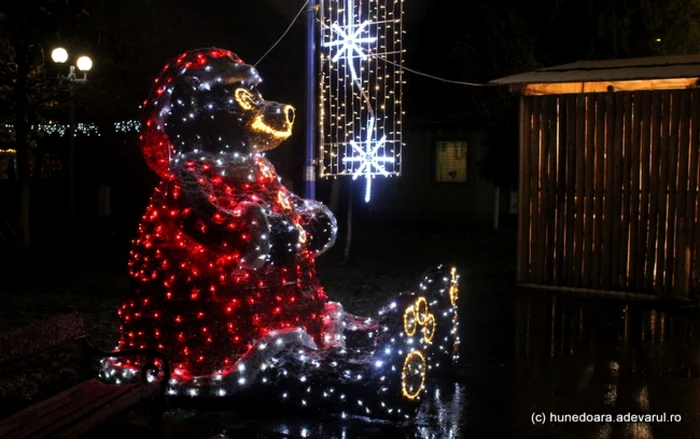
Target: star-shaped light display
370, 162
361, 86
350, 44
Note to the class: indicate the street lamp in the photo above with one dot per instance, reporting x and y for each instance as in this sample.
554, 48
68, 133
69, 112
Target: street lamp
60, 55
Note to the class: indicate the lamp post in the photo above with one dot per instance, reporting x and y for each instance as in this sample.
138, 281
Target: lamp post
311, 84
84, 64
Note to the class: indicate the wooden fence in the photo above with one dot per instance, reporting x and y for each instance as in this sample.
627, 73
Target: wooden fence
608, 195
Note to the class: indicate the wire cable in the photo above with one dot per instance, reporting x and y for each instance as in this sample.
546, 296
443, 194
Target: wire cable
284, 34
399, 66
437, 78
415, 72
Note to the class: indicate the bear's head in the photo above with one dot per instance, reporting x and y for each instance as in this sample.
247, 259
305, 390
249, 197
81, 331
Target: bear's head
206, 101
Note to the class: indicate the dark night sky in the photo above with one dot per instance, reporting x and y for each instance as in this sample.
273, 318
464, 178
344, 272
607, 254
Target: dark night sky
413, 9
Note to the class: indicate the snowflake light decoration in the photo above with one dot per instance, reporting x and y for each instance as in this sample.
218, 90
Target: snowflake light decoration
349, 42
368, 158
362, 86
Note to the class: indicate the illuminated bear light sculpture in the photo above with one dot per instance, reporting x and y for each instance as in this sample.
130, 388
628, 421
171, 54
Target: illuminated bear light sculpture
223, 267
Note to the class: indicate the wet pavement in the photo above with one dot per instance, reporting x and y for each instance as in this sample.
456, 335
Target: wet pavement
557, 354
524, 353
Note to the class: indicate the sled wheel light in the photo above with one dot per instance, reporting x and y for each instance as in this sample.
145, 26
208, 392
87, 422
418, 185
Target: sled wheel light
422, 311
410, 321
429, 329
454, 287
413, 375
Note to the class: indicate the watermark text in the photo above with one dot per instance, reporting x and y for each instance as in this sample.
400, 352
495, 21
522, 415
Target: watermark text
541, 418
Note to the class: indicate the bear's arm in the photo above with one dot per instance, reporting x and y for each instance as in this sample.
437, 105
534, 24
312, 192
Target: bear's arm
318, 222
241, 229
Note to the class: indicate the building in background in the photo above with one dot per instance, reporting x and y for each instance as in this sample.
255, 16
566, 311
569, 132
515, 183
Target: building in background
441, 181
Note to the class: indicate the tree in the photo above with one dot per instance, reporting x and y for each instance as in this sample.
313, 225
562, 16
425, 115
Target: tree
607, 29
673, 26
27, 83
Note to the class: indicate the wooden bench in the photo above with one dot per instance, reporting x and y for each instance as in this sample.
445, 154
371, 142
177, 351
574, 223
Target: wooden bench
84, 407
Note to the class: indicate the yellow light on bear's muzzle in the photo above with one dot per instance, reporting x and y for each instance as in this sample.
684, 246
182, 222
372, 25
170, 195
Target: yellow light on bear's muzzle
260, 126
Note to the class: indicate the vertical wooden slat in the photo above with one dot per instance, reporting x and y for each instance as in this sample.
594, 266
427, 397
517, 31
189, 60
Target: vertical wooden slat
682, 259
693, 176
543, 170
655, 126
664, 160
570, 187
601, 107
608, 221
562, 154
552, 189
645, 159
545, 133
616, 165
626, 157
589, 182
671, 215
634, 196
536, 249
524, 190
578, 189
612, 204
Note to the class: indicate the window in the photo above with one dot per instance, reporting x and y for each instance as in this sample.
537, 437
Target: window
451, 162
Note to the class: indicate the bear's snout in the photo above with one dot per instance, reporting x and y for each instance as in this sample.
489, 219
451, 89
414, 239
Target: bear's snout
281, 115
274, 119
289, 111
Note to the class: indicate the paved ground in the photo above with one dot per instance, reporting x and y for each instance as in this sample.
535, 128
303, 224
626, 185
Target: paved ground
524, 353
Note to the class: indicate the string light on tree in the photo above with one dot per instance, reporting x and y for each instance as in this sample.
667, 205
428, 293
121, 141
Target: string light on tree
87, 129
127, 126
362, 83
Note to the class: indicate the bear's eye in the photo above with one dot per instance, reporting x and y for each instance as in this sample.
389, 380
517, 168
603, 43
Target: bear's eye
245, 98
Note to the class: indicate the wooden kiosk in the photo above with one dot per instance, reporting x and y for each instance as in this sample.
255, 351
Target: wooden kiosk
609, 177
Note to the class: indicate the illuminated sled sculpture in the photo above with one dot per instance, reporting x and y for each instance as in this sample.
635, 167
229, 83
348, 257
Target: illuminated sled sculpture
223, 266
